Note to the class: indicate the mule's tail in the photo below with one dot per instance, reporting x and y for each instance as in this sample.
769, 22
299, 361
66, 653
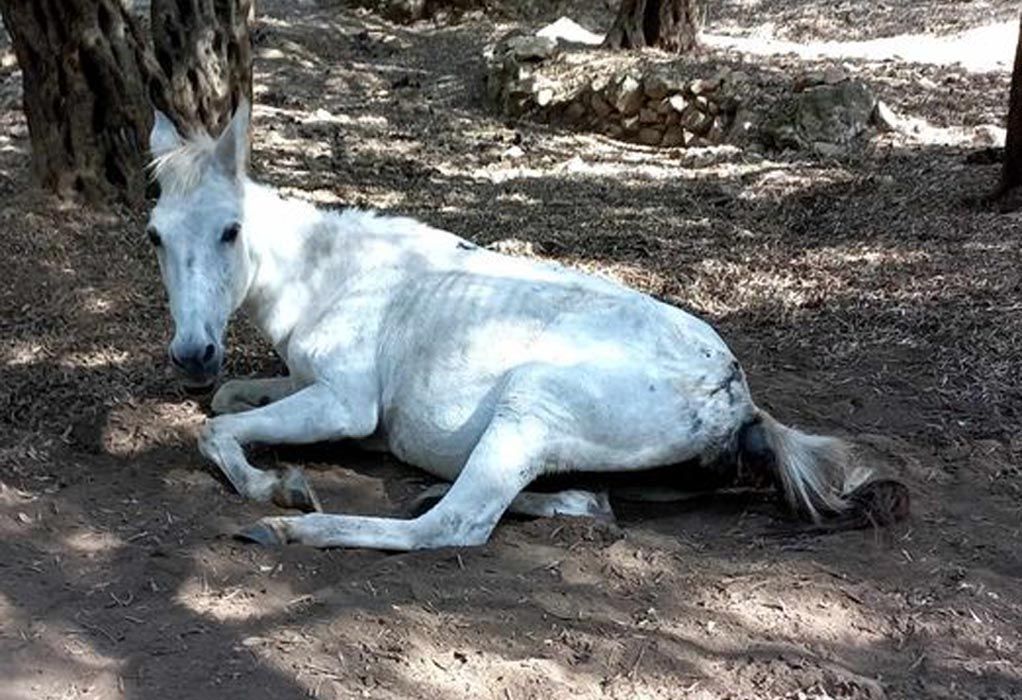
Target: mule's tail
814, 473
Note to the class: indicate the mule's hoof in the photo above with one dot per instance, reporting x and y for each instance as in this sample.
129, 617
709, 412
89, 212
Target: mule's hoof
881, 501
294, 491
262, 533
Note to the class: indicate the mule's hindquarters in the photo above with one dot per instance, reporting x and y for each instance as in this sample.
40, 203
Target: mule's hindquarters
814, 473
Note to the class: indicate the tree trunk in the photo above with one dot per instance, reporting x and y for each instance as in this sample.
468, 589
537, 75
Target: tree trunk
672, 25
204, 48
1011, 172
86, 84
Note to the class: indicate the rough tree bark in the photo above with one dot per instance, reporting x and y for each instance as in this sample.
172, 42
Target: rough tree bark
672, 25
1011, 170
204, 48
86, 95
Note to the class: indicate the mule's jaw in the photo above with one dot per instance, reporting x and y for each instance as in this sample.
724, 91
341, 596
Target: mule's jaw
198, 387
196, 383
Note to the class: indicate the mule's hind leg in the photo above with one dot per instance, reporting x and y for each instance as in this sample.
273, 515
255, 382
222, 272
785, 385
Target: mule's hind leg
570, 502
313, 414
239, 395
507, 457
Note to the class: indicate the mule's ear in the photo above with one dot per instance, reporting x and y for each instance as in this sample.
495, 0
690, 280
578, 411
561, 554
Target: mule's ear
232, 146
164, 137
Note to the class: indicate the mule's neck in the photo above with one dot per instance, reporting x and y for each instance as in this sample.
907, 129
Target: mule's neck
289, 260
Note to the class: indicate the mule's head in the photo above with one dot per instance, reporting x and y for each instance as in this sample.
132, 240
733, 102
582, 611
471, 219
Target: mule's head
196, 230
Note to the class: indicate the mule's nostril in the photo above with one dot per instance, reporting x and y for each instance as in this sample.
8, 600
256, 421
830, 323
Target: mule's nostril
174, 358
208, 355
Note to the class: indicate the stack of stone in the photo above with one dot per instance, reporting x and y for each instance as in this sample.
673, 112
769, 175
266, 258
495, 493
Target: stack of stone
666, 105
514, 83
657, 107
662, 108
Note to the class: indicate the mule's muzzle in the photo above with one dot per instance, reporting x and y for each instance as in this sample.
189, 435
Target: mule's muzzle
198, 363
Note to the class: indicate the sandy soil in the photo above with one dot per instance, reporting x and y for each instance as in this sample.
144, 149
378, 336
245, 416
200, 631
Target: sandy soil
864, 299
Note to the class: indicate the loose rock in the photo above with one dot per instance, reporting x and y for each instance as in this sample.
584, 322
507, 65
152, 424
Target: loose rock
627, 96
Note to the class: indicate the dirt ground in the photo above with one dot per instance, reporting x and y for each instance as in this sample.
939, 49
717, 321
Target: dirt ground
864, 299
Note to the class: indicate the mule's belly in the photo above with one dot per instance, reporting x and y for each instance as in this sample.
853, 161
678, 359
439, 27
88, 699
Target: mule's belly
628, 382
601, 416
438, 431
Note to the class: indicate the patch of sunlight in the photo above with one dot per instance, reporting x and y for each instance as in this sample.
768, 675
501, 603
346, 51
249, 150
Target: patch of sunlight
231, 603
505, 171
92, 542
291, 52
823, 616
484, 670
8, 611
360, 78
377, 198
478, 671
839, 257
323, 116
784, 179
987, 48
724, 287
318, 196
623, 273
95, 304
94, 360
386, 200
133, 428
60, 660
299, 147
23, 353
517, 198
919, 131
386, 146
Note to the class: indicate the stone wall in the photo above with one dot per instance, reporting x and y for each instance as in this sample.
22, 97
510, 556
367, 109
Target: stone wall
657, 106
655, 100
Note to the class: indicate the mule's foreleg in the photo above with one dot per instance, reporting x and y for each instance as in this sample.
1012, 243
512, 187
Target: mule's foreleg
314, 414
508, 456
239, 395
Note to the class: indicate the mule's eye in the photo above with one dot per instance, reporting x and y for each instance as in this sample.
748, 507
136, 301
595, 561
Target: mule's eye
154, 236
230, 233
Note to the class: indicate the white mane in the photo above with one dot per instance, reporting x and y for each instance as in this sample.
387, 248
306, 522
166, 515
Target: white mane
180, 169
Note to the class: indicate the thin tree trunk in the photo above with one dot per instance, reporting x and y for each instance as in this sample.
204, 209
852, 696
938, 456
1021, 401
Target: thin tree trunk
86, 81
672, 25
1011, 172
205, 49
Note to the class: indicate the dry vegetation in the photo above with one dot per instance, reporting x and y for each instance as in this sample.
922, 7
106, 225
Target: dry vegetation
862, 296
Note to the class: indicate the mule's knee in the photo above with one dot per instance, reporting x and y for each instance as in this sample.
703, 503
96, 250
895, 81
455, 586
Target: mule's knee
219, 446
